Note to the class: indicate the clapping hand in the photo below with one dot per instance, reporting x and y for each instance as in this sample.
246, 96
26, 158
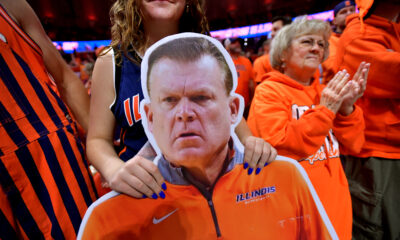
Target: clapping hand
340, 94
356, 89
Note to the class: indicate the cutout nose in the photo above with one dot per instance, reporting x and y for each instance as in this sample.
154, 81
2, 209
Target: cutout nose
185, 111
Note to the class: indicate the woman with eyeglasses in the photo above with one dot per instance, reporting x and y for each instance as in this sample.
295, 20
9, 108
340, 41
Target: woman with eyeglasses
308, 121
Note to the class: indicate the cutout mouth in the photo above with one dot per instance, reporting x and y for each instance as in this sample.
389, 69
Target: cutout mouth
187, 135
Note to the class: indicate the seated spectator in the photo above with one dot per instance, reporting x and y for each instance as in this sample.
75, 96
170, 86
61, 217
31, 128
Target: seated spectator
308, 121
188, 81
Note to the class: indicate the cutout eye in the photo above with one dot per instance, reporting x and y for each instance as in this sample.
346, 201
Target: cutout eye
170, 99
200, 98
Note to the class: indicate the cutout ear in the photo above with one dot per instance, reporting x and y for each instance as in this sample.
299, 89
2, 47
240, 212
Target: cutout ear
149, 116
234, 104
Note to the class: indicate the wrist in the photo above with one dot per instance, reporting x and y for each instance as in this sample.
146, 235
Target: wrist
111, 169
346, 111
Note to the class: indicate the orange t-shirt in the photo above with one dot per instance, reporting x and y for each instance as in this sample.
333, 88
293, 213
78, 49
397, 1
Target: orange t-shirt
261, 67
245, 75
287, 115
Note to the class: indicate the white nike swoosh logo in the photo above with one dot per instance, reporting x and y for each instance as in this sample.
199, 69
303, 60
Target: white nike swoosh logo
157, 221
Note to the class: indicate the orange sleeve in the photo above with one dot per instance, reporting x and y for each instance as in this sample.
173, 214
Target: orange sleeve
328, 66
375, 48
94, 227
271, 119
105, 223
313, 226
261, 67
349, 130
314, 221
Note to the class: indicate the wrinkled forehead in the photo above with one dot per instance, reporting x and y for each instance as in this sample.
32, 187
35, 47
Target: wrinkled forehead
229, 65
195, 76
316, 37
177, 64
311, 33
195, 71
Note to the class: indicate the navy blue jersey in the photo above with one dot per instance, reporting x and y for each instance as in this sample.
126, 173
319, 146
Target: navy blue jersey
128, 94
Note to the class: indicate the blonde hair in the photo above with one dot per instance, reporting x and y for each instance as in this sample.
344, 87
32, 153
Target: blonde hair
127, 31
300, 27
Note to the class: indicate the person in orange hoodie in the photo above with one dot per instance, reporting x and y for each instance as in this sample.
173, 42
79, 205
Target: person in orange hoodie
262, 64
307, 121
341, 11
374, 173
190, 108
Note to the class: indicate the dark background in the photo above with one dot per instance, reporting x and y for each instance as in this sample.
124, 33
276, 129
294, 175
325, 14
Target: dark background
70, 20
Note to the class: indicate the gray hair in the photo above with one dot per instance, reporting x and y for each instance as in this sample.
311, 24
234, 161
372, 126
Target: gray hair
300, 27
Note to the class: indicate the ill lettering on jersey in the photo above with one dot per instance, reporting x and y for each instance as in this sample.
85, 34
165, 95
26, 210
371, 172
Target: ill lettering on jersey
132, 111
330, 148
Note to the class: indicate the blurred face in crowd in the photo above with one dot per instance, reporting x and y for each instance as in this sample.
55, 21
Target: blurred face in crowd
190, 112
170, 10
235, 47
305, 53
340, 19
276, 26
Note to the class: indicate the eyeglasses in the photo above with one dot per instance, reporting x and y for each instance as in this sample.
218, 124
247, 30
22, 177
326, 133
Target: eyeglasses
309, 42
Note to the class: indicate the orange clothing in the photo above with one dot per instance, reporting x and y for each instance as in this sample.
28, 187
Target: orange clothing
276, 204
245, 75
380, 46
287, 115
328, 66
262, 66
83, 75
45, 185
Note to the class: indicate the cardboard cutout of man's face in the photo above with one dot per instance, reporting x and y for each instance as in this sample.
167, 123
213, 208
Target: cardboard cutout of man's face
189, 115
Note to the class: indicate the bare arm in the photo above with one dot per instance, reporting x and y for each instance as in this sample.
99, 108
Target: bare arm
100, 148
69, 85
243, 131
137, 175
